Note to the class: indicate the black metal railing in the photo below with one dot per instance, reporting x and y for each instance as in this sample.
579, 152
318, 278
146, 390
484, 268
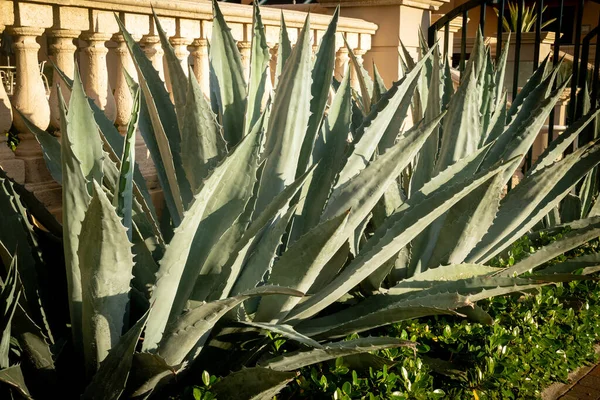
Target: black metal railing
581, 64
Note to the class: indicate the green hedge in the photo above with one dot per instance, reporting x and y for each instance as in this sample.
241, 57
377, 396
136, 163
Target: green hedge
536, 339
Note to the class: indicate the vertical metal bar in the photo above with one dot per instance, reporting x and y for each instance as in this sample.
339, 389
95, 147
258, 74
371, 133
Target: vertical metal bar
596, 70
556, 51
499, 31
574, 81
482, 18
463, 42
538, 34
431, 35
515, 87
446, 39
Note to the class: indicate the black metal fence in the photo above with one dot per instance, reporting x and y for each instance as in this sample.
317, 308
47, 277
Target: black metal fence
581, 75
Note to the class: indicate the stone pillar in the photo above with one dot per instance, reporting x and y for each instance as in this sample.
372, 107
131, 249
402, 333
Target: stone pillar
341, 60
395, 19
200, 64
154, 51
122, 94
29, 96
62, 50
95, 73
245, 48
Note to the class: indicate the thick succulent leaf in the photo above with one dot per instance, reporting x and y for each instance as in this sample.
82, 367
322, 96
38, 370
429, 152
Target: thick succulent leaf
75, 198
466, 223
330, 154
443, 273
287, 332
13, 376
423, 245
9, 301
388, 240
181, 262
108, 383
254, 234
496, 124
532, 83
523, 132
288, 121
123, 196
379, 87
252, 384
157, 146
589, 230
50, 148
300, 265
586, 264
532, 199
322, 75
184, 338
478, 287
380, 310
148, 373
558, 146
202, 145
500, 74
83, 133
384, 121
301, 358
174, 71
159, 127
259, 72
461, 127
362, 192
114, 139
259, 263
587, 192
227, 65
106, 265
284, 50
18, 238
227, 216
364, 80
216, 278
425, 163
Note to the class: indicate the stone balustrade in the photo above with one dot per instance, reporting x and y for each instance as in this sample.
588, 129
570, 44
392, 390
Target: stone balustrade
86, 32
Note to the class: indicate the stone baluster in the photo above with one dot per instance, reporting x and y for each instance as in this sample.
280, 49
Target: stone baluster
201, 65
62, 50
154, 51
358, 53
341, 60
95, 72
29, 96
12, 166
245, 48
180, 46
122, 94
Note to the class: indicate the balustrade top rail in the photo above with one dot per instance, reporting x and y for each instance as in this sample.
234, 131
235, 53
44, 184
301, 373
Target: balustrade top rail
13, 13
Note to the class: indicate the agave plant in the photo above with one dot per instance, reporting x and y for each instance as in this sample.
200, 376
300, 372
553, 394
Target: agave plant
274, 220
529, 18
